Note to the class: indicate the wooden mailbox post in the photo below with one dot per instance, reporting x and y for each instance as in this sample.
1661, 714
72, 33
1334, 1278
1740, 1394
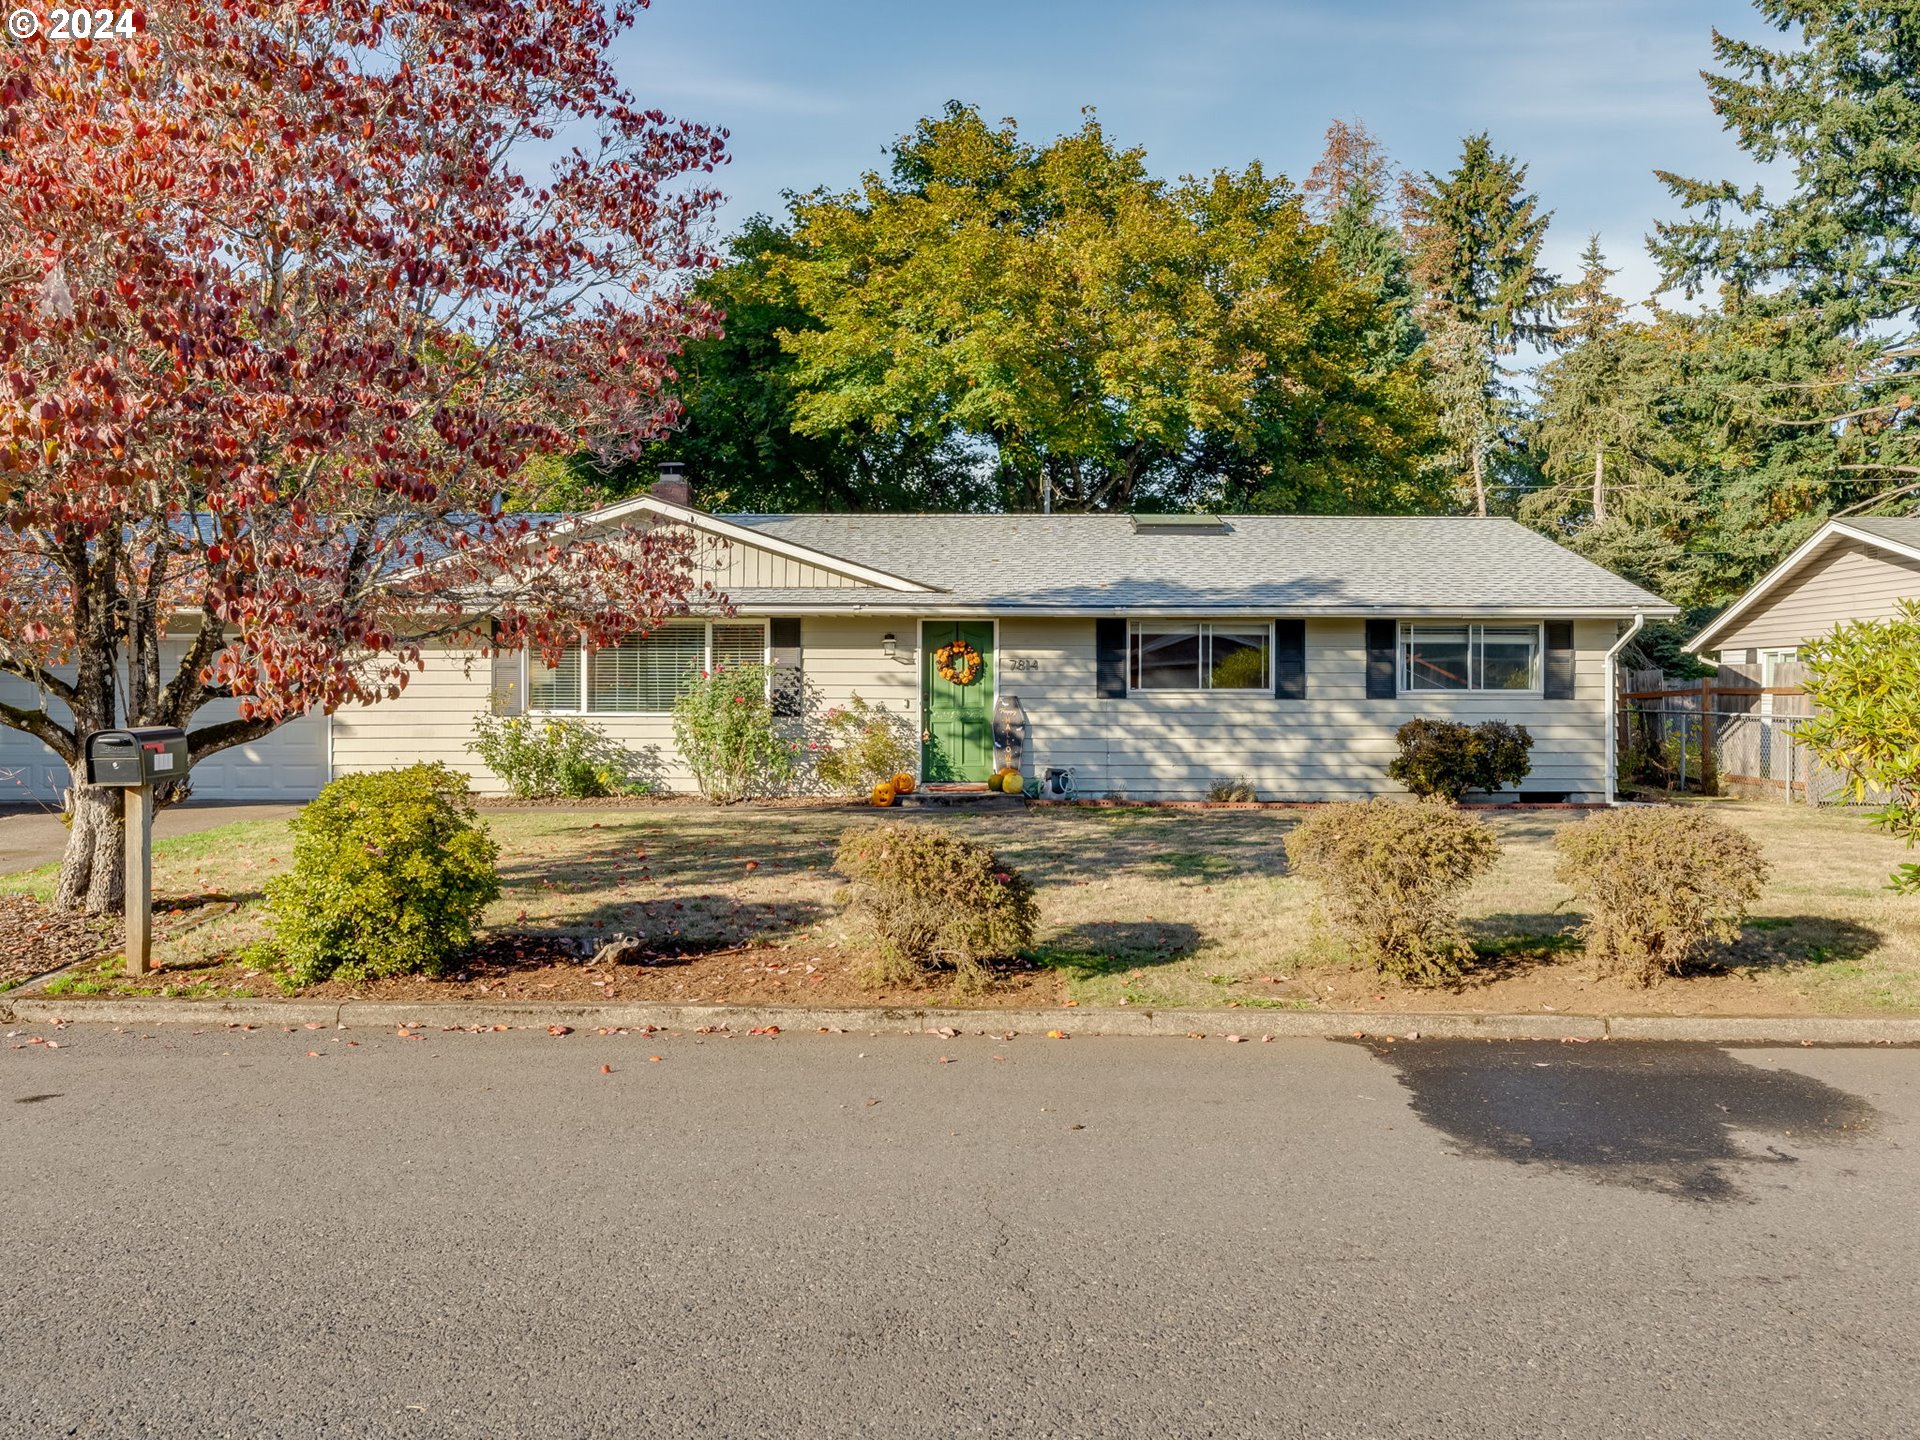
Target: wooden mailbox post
135, 761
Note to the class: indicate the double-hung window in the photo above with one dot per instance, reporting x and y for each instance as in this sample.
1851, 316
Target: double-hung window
643, 674
1469, 657
1200, 655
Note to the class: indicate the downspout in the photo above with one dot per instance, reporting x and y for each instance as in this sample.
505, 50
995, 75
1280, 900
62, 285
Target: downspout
1613, 704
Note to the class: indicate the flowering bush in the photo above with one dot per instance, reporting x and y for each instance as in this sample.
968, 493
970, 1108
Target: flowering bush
723, 723
542, 756
860, 745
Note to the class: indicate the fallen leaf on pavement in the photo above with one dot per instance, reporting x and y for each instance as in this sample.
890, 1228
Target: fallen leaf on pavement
606, 1069
559, 1029
1056, 1034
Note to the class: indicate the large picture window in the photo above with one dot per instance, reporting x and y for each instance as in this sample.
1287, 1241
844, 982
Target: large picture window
1201, 655
643, 674
1469, 657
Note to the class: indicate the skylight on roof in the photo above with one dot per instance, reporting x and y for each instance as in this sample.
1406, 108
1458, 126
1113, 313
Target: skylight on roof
1179, 525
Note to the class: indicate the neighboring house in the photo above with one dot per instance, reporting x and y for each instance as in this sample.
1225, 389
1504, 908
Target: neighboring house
1150, 654
1854, 569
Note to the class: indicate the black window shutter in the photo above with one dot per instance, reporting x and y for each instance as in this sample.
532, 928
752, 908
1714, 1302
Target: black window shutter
1560, 657
1383, 638
1110, 652
1289, 659
783, 658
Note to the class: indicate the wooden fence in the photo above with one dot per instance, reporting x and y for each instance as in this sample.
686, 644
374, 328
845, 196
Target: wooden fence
1729, 732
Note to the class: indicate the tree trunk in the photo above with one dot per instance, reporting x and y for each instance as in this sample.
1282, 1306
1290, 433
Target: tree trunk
93, 873
1479, 483
1599, 484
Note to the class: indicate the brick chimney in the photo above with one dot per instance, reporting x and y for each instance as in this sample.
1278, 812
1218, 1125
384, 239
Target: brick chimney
673, 485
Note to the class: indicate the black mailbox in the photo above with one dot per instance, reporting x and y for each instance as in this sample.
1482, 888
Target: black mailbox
144, 755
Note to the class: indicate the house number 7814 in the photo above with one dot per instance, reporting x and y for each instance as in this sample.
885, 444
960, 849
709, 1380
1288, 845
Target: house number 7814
1022, 662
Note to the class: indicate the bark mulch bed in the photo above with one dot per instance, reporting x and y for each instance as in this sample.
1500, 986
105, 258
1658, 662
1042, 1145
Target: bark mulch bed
527, 967
34, 939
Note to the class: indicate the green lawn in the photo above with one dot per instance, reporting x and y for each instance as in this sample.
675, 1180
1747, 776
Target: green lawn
1142, 907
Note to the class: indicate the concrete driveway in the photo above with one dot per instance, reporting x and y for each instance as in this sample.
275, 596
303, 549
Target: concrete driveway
32, 835
331, 1232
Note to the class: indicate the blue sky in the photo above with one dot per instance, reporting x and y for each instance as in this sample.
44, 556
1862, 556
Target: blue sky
1593, 94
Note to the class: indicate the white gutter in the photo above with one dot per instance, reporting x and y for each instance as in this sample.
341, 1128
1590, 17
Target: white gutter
1613, 704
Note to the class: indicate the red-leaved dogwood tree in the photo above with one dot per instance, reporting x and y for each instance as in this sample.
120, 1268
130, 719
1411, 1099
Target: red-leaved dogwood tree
288, 291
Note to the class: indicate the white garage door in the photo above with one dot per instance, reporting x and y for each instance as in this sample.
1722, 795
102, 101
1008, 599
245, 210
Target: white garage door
288, 764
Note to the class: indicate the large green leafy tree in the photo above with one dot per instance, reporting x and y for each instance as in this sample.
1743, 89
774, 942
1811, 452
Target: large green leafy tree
1475, 235
736, 435
1822, 280
1864, 679
1100, 337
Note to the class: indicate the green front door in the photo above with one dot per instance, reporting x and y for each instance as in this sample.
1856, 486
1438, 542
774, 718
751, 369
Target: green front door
958, 740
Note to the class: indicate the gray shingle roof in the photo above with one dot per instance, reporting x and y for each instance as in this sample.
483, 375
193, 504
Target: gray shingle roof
1901, 529
1279, 563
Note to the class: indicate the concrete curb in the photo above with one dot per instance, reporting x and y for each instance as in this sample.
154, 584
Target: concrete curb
1253, 1024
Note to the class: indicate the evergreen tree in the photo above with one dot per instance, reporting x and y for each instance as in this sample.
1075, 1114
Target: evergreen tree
1586, 405
1474, 236
1352, 160
1832, 267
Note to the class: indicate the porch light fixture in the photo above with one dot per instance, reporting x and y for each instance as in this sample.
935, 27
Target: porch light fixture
888, 645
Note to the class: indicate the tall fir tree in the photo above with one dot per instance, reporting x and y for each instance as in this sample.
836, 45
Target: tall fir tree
1351, 190
1474, 236
1828, 273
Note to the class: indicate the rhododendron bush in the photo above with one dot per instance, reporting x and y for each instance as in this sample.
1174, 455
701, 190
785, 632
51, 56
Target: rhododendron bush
288, 293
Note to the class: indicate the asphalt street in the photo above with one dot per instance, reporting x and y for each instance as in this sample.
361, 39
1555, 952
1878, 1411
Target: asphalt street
351, 1233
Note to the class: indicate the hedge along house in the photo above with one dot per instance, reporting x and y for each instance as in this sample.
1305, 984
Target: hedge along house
1151, 655
1854, 569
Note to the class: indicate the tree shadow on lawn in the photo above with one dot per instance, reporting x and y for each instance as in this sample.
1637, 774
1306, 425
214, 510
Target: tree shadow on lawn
1786, 942
1160, 845
1513, 943
676, 859
1101, 948
685, 923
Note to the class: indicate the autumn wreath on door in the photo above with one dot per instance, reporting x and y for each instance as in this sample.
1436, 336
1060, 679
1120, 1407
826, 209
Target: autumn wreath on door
959, 663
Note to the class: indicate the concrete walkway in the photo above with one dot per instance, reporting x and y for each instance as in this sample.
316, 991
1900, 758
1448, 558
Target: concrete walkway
33, 835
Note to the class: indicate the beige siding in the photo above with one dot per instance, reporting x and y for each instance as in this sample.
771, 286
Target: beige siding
432, 719
1844, 581
737, 566
1334, 744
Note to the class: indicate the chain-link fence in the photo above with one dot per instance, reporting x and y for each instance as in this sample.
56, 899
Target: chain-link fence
1731, 735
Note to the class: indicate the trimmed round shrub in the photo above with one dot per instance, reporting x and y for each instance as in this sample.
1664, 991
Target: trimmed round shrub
1392, 874
927, 898
1661, 886
391, 871
1443, 759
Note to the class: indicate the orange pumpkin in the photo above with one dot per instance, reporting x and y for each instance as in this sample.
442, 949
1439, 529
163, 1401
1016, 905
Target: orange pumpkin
902, 783
882, 795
